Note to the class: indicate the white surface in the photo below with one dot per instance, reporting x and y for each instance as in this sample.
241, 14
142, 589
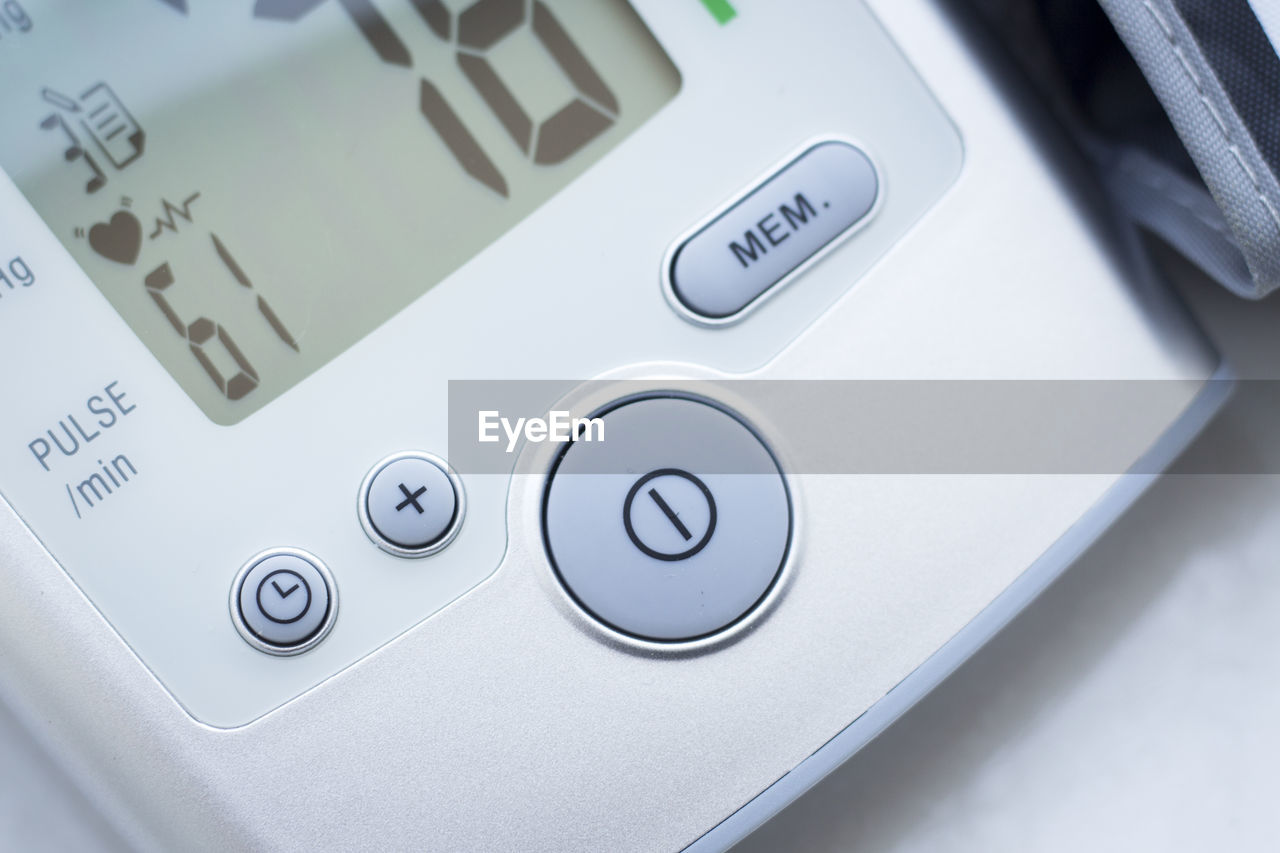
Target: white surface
151, 745
39, 808
602, 309
1132, 708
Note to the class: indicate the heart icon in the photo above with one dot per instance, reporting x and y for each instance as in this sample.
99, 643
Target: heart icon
118, 240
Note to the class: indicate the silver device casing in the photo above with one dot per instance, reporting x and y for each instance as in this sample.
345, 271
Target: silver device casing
503, 721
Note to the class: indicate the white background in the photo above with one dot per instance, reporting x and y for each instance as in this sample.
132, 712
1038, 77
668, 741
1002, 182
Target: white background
1135, 706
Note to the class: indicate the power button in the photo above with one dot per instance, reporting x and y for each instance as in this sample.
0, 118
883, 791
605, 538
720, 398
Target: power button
676, 528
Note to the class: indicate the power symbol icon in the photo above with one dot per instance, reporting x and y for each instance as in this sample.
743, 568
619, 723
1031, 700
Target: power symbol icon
669, 514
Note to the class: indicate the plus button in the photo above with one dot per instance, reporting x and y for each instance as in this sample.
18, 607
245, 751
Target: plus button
411, 499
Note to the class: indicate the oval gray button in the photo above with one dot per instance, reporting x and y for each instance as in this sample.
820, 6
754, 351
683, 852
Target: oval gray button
735, 258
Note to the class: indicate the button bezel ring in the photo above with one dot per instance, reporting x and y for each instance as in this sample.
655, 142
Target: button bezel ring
439, 543
667, 283
599, 405
326, 625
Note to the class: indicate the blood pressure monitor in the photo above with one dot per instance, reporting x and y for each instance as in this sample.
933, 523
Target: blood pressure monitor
252, 251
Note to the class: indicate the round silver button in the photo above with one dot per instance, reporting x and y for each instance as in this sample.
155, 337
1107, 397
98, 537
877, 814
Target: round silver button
411, 504
283, 601
672, 528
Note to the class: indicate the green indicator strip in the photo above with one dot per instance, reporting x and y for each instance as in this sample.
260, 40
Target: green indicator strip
721, 10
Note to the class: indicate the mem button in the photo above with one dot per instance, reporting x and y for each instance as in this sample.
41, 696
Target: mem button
744, 252
411, 504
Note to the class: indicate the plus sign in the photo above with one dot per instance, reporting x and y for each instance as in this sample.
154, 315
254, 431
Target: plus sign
411, 498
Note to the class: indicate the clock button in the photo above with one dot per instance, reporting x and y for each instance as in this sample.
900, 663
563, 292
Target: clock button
283, 601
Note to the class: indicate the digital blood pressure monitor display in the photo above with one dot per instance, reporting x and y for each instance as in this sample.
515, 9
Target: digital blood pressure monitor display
257, 186
461, 210
205, 202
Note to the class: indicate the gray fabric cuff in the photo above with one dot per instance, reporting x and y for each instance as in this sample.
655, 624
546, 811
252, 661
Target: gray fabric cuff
1218, 77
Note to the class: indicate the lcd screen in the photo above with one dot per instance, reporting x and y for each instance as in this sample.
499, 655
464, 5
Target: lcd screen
255, 186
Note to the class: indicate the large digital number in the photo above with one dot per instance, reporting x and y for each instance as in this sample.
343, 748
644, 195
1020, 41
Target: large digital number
485, 24
481, 27
200, 332
264, 309
461, 144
